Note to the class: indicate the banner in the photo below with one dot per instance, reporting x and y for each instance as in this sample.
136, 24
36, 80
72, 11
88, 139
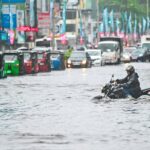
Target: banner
20, 22
9, 16
117, 27
32, 13
105, 21
63, 28
51, 14
148, 23
135, 29
101, 30
111, 16
143, 25
130, 24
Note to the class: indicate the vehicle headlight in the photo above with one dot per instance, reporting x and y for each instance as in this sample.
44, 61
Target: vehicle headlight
69, 61
140, 55
83, 61
126, 56
17, 65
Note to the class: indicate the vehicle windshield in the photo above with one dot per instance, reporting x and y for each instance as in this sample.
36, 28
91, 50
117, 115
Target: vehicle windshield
26, 56
10, 57
40, 56
107, 47
42, 43
94, 53
146, 45
54, 56
78, 55
138, 52
129, 50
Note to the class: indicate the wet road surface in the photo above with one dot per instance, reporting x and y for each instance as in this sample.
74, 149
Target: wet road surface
55, 111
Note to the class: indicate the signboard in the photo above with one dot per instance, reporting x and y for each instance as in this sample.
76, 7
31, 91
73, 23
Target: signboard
3, 35
7, 11
20, 22
13, 1
72, 2
27, 29
43, 20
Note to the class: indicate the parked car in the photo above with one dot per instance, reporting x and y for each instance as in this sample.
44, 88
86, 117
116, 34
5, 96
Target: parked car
140, 54
96, 57
57, 60
43, 56
79, 59
14, 63
2, 71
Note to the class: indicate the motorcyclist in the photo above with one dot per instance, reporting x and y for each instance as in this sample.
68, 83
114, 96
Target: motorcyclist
130, 84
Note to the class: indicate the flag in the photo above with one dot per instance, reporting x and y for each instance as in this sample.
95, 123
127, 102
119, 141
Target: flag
126, 22
111, 16
63, 27
32, 13
51, 14
11, 18
117, 27
105, 20
130, 24
148, 23
101, 30
135, 28
143, 25
122, 32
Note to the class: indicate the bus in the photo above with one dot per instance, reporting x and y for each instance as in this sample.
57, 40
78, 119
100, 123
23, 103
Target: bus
47, 42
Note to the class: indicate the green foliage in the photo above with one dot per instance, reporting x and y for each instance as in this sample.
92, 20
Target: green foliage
134, 6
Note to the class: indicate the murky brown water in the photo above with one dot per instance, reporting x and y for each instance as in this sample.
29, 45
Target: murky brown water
55, 111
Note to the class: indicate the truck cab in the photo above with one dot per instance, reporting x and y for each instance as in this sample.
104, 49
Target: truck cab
111, 49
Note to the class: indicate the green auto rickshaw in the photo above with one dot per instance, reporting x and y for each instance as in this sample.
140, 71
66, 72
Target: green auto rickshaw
14, 63
2, 71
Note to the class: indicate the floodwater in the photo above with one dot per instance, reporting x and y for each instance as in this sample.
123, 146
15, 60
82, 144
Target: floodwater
56, 111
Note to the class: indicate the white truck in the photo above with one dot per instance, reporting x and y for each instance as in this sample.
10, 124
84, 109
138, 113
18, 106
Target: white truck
111, 48
145, 41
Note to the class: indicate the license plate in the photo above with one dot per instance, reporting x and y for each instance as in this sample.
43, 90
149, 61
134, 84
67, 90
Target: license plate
76, 63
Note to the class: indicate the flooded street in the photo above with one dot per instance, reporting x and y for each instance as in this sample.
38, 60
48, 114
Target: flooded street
55, 111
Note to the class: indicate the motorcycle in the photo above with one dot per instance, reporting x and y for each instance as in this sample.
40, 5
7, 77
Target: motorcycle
115, 91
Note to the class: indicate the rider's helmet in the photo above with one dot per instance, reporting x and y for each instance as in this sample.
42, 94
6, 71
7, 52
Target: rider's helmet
130, 69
